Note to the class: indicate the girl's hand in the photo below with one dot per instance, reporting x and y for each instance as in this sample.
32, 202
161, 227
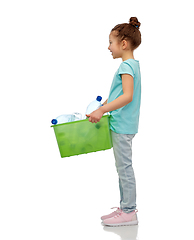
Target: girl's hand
95, 116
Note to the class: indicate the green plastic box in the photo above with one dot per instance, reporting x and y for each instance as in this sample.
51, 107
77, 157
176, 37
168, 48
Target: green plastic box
82, 136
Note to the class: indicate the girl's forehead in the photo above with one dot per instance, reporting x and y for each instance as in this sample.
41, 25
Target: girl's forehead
112, 35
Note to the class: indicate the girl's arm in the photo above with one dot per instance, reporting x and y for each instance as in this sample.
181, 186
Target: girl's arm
127, 97
105, 102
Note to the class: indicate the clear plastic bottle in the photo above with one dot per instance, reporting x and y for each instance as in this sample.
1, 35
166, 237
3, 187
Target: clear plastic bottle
67, 118
94, 105
76, 116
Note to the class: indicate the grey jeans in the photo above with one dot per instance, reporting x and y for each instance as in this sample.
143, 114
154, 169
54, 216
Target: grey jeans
122, 147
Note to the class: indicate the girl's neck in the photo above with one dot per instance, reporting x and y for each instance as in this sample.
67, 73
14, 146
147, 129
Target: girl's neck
127, 55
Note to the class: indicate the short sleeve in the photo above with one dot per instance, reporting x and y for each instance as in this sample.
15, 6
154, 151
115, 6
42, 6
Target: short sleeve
125, 68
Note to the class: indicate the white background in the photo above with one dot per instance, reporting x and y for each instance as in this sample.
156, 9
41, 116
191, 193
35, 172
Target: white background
54, 60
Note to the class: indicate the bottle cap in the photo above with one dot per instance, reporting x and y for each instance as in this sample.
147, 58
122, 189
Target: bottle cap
54, 121
99, 98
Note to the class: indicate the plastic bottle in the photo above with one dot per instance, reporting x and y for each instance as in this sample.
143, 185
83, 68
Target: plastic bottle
76, 116
67, 118
94, 105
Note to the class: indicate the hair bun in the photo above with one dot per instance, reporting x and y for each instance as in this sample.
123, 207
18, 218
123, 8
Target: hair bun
134, 22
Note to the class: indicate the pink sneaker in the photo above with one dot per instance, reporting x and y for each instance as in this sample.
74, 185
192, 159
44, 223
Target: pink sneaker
122, 219
112, 214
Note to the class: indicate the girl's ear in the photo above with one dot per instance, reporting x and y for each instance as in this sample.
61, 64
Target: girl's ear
125, 44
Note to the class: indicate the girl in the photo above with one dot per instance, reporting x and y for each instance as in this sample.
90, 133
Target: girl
123, 104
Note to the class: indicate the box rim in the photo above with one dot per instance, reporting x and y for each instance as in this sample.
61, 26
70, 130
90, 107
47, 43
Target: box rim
76, 121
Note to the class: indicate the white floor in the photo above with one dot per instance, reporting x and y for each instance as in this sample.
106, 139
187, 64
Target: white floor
46, 197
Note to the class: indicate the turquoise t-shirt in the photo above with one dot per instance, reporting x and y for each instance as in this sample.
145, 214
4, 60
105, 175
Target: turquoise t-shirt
125, 120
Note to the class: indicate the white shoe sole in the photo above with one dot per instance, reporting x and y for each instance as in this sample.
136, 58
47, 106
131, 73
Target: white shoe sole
131, 223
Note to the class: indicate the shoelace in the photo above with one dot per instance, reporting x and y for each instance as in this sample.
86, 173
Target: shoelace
119, 211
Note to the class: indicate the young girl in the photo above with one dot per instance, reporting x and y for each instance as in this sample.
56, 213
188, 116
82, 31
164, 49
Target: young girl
123, 104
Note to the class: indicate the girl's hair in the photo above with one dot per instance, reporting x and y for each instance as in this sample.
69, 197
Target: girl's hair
129, 31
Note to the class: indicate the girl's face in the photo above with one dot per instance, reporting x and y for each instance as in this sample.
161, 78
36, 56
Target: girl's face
114, 46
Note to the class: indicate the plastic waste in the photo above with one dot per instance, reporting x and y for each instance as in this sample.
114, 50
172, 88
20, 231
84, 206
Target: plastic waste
67, 118
76, 116
94, 105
